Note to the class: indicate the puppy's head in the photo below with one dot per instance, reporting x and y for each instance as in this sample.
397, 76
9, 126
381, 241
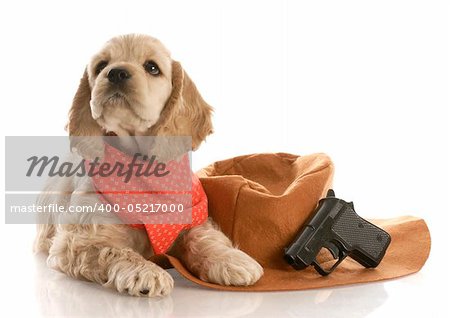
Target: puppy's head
131, 80
133, 87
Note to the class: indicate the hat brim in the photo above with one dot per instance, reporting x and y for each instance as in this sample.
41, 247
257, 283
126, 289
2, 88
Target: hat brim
407, 253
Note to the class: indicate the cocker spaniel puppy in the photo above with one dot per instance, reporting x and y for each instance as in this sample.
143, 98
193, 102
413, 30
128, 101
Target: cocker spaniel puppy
132, 87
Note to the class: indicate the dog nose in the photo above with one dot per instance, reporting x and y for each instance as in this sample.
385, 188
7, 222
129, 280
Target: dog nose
118, 75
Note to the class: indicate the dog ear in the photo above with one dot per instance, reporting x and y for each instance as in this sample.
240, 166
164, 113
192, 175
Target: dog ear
185, 112
81, 122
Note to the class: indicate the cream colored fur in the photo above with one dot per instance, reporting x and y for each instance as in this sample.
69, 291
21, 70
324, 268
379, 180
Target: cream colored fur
113, 255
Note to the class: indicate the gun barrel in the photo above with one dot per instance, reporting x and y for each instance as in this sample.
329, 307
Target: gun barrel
303, 250
293, 253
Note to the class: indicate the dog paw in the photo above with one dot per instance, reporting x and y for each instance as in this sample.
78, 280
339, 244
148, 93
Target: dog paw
145, 280
236, 268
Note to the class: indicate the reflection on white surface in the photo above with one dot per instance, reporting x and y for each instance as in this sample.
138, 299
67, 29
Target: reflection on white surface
31, 289
59, 295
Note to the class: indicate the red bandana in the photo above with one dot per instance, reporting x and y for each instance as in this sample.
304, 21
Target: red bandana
150, 201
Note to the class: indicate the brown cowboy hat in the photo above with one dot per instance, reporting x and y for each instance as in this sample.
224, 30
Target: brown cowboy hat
261, 201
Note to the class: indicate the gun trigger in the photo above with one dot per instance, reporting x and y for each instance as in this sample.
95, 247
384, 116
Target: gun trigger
325, 272
332, 248
319, 269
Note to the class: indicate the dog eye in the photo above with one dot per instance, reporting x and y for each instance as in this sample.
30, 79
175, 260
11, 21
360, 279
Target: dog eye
100, 66
152, 68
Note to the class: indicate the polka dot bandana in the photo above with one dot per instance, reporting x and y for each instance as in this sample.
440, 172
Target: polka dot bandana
163, 198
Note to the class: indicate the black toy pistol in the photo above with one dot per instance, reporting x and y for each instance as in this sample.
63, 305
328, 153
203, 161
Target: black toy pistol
336, 227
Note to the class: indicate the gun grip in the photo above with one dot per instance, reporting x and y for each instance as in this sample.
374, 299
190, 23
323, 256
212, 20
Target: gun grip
363, 241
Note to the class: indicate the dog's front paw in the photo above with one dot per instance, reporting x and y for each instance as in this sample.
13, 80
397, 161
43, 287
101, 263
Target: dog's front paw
146, 279
235, 268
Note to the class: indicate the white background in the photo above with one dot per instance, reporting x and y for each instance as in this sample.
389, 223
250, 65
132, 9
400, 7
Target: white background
364, 81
